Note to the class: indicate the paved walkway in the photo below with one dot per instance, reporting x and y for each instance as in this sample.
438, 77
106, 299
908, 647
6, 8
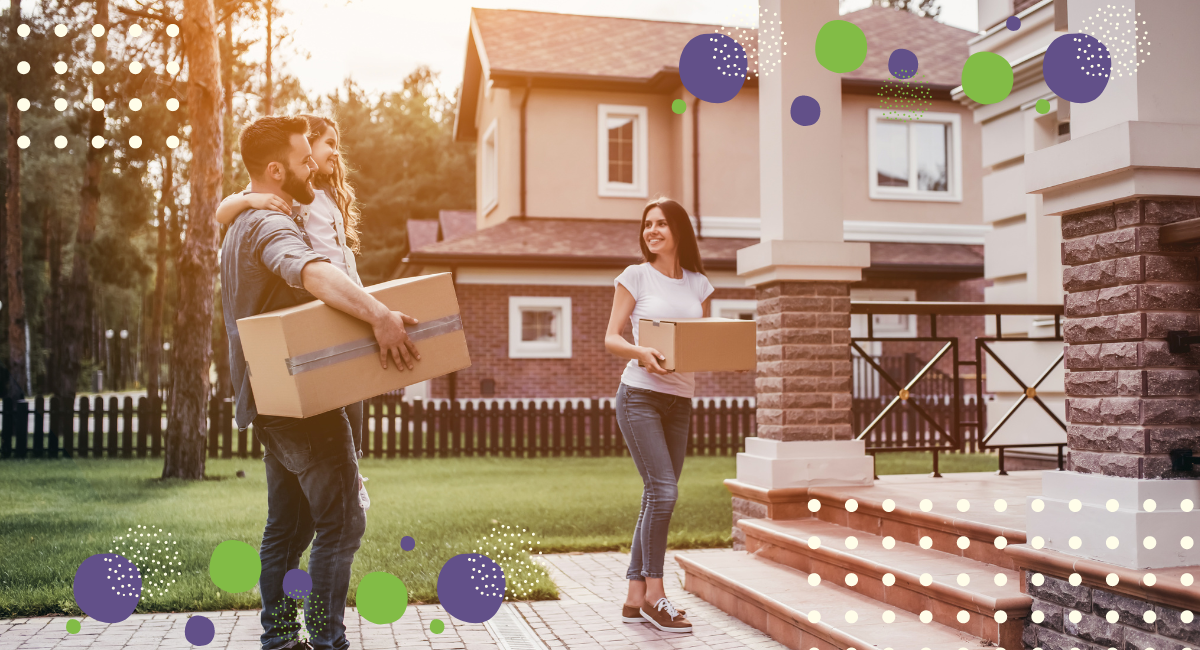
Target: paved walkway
587, 616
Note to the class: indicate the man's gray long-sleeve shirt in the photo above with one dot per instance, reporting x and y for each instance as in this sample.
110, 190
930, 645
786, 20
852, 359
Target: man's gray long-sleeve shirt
261, 262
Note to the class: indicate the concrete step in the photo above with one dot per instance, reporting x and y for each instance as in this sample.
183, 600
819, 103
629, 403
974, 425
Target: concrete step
778, 599
970, 608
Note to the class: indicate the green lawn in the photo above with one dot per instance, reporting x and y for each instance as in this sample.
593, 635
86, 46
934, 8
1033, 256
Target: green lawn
57, 513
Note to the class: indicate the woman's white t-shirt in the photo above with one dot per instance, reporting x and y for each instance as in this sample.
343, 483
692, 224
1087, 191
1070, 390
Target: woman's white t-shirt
658, 296
322, 231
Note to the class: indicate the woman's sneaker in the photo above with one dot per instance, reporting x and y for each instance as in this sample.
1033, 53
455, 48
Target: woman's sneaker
665, 617
631, 615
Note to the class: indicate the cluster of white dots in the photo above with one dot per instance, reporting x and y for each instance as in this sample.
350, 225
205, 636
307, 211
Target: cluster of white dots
767, 44
1118, 28
489, 589
154, 555
97, 104
512, 551
1000, 578
1099, 56
722, 51
122, 572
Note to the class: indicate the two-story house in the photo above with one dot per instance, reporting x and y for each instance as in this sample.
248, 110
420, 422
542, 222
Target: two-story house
575, 130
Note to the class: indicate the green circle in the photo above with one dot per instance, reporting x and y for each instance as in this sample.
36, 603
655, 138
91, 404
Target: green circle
381, 598
1042, 106
437, 626
987, 77
679, 106
841, 46
234, 566
73, 626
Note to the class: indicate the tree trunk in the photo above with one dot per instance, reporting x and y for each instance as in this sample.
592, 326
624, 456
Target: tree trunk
269, 88
221, 348
154, 340
54, 300
14, 258
75, 303
192, 351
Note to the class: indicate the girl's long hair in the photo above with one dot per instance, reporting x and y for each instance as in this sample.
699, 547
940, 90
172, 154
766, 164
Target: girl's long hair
680, 225
336, 184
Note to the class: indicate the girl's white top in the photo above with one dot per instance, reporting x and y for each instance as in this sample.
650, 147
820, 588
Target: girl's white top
658, 297
327, 232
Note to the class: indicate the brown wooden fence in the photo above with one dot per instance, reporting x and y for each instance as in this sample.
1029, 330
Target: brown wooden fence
116, 428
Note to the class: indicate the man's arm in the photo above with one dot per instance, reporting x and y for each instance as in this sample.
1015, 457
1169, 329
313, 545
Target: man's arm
331, 286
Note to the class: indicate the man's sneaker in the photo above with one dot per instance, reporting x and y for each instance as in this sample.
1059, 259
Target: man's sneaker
364, 501
665, 617
296, 644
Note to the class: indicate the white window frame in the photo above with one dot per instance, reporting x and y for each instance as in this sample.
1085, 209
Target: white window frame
953, 164
639, 188
518, 349
490, 169
721, 304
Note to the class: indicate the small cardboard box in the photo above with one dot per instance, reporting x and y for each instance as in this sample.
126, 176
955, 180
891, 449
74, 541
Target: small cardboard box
311, 358
701, 344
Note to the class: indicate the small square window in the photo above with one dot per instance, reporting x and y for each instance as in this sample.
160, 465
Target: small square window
539, 327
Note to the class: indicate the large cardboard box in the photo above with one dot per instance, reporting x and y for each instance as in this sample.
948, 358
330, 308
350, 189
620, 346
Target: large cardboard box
312, 358
701, 344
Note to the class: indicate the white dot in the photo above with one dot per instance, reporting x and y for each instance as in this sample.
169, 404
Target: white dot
814, 616
97, 104
60, 104
1186, 505
1186, 579
926, 542
173, 105
23, 67
851, 505
1149, 616
135, 67
1001, 616
23, 31
1149, 579
1001, 505
1149, 505
1001, 542
1075, 505
98, 30
98, 141
173, 67
851, 579
1075, 542
926, 505
888, 579
851, 542
1037, 505
889, 616
813, 504
1186, 616
60, 67
1075, 579
1186, 542
1038, 579
135, 104
1148, 542
814, 542
23, 142
98, 67
926, 579
1037, 542
60, 142
135, 30
889, 542
172, 30
60, 30
1112, 616
963, 579
172, 142
135, 142
1112, 542
814, 579
1001, 579
22, 104
963, 616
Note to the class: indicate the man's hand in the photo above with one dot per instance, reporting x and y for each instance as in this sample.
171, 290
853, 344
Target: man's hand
393, 340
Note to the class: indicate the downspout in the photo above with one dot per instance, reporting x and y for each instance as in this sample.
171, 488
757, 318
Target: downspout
452, 380
696, 166
524, 103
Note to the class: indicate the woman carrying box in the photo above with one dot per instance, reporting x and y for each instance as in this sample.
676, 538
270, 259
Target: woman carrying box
654, 406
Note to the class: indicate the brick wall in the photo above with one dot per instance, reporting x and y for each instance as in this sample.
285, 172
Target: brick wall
1056, 598
590, 372
1129, 400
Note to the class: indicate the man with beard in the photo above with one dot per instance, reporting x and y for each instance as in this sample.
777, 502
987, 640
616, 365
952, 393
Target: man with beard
312, 468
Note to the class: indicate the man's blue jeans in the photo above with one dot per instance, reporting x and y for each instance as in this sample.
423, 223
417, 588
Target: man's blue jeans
312, 487
655, 426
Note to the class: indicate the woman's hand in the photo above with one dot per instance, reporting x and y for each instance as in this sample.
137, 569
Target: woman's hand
268, 202
649, 358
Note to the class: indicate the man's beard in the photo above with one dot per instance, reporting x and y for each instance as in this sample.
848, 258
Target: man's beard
299, 190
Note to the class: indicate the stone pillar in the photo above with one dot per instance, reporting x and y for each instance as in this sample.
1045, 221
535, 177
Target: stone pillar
1129, 169
801, 271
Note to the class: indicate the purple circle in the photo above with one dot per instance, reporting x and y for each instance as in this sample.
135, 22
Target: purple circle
713, 67
199, 630
902, 64
1077, 67
297, 584
1013, 23
107, 587
805, 110
407, 543
471, 587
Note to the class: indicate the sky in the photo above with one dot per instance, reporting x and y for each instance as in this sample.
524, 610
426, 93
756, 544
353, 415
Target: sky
378, 42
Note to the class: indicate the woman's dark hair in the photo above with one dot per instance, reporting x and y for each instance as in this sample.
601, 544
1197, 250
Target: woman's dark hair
681, 229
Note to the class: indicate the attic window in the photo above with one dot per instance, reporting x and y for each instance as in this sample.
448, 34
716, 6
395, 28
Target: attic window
622, 151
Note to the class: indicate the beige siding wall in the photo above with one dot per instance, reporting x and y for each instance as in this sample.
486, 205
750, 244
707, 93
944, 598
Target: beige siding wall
729, 156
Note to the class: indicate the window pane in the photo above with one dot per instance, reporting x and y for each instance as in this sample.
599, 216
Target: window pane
538, 325
932, 157
891, 154
620, 149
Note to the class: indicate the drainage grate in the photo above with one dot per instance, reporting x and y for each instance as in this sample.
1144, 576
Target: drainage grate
510, 630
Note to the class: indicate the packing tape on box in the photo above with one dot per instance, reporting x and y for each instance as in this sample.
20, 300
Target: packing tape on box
352, 350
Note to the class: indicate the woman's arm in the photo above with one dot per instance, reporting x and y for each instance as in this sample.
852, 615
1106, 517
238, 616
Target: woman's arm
235, 204
623, 304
